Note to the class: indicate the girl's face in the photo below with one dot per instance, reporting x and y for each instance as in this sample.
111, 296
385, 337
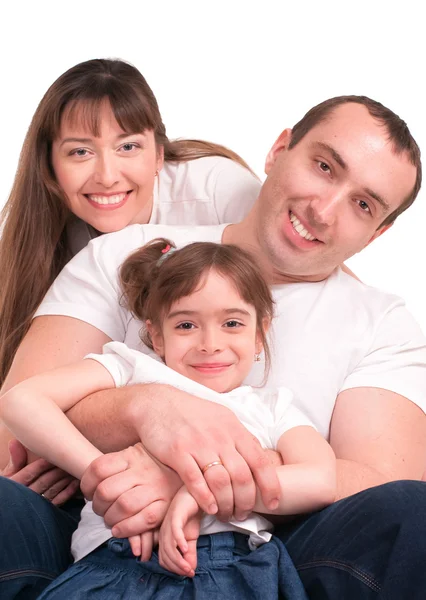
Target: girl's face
210, 336
109, 179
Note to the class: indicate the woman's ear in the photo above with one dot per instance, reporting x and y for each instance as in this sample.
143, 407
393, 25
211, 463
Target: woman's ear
156, 338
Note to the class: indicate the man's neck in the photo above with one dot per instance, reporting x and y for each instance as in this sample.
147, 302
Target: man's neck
242, 235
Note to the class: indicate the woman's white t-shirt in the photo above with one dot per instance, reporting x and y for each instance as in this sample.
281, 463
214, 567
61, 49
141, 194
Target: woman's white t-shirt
205, 191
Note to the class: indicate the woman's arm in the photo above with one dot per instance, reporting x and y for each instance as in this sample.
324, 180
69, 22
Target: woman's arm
308, 475
33, 411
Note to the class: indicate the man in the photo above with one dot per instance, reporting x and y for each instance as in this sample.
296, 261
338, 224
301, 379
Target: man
353, 356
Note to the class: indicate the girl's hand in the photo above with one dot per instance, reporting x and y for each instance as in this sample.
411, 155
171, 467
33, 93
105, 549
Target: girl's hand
142, 545
130, 490
179, 534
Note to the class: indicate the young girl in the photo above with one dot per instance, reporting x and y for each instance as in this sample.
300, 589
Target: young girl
207, 310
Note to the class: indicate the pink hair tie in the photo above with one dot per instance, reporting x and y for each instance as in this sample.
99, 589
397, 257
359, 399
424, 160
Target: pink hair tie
166, 251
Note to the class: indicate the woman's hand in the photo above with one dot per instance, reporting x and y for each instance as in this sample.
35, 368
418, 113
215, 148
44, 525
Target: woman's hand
130, 490
39, 476
188, 434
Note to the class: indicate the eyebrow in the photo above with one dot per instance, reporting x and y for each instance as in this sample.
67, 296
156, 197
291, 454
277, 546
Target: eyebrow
75, 140
338, 158
190, 313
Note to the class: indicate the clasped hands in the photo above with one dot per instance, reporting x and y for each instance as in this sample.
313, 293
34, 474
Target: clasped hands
133, 489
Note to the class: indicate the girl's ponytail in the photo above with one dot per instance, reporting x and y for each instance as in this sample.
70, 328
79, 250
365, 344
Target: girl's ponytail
139, 271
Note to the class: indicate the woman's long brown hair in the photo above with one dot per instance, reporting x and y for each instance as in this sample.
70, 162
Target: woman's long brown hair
33, 242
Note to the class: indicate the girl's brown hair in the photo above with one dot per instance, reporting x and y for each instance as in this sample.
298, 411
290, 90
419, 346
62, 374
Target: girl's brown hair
153, 281
33, 242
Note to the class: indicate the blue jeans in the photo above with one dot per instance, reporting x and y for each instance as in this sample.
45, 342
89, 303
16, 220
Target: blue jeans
371, 545
226, 569
35, 540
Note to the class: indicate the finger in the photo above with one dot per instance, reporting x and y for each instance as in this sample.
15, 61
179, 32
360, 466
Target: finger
219, 482
101, 468
113, 492
172, 560
132, 502
66, 493
265, 474
57, 487
243, 485
190, 473
147, 543
47, 479
135, 544
179, 536
18, 458
191, 555
29, 474
148, 518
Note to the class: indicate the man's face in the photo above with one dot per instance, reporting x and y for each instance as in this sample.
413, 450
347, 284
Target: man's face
325, 199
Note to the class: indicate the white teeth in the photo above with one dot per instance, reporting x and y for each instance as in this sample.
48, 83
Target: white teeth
297, 226
107, 199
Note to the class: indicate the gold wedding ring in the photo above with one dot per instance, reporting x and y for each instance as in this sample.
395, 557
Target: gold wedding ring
212, 464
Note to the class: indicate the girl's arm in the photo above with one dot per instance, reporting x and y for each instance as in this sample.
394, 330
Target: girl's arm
34, 411
308, 475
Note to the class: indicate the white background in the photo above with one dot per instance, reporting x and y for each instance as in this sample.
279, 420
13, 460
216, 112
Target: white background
235, 72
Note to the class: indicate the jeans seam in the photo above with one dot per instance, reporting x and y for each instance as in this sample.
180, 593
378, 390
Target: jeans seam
366, 579
26, 573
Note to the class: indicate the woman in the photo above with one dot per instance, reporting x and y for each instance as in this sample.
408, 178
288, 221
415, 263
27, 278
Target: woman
96, 158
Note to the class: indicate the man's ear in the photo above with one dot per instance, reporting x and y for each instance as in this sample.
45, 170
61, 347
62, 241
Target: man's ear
156, 338
378, 233
280, 145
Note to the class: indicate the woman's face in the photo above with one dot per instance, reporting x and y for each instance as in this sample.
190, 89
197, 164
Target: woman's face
109, 179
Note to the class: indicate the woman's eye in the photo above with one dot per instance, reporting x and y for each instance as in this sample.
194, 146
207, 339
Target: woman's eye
185, 326
79, 152
129, 147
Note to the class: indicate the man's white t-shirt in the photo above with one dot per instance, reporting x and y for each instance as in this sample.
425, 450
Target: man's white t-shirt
266, 413
205, 191
326, 337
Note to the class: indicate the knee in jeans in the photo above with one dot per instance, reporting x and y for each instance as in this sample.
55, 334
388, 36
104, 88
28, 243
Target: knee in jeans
397, 502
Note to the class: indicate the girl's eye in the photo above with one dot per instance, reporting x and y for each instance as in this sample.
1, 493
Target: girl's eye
185, 326
233, 324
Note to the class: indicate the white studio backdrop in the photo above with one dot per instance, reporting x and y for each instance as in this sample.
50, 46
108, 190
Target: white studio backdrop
235, 72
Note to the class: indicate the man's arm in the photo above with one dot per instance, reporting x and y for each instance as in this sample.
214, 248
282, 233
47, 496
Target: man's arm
378, 436
197, 432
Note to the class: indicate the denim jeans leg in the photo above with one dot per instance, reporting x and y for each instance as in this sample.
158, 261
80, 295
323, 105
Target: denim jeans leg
35, 541
370, 546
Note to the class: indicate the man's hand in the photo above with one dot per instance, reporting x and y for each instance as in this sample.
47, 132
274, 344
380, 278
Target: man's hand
187, 434
40, 476
130, 490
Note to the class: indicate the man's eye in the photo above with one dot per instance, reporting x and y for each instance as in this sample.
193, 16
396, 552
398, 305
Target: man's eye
324, 167
364, 206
